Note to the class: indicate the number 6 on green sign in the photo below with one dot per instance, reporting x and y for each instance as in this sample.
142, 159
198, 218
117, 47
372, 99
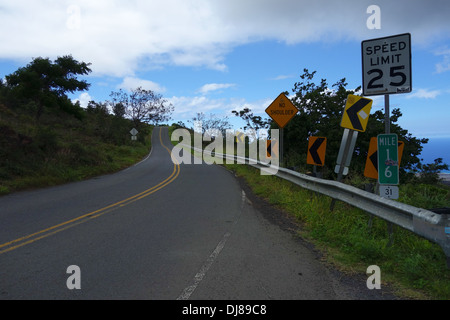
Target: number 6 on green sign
387, 173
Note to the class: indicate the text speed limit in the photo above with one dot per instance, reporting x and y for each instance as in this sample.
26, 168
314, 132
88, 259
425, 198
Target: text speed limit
386, 65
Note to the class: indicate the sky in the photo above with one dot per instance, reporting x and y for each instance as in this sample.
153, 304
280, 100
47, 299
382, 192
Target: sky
223, 55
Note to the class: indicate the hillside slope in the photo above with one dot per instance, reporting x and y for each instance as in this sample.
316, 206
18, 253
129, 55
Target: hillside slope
60, 148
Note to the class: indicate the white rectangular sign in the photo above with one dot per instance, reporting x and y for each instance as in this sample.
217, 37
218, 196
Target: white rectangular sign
386, 65
390, 192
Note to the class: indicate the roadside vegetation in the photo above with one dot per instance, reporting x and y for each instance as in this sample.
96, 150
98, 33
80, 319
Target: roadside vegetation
351, 241
62, 149
47, 139
348, 237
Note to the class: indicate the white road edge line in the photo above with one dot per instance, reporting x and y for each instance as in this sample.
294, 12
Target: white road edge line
187, 292
145, 159
204, 269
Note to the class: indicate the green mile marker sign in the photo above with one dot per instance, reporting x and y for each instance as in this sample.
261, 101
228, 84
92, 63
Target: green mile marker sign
388, 168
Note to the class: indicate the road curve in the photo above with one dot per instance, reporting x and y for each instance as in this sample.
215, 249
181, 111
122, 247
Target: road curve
157, 230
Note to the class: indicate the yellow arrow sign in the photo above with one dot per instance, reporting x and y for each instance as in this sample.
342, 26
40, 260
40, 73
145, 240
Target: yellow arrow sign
356, 113
240, 137
272, 144
316, 151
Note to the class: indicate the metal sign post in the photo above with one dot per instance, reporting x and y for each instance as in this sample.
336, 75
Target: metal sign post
387, 115
345, 156
281, 147
345, 152
386, 69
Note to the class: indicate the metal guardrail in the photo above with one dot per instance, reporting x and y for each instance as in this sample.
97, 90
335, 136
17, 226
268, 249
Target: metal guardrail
428, 224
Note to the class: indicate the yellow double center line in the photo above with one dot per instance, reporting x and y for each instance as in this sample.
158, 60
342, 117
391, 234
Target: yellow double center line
17, 243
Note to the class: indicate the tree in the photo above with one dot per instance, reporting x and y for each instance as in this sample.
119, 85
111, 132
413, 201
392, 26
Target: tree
99, 120
119, 110
210, 125
254, 123
46, 83
141, 106
429, 173
320, 112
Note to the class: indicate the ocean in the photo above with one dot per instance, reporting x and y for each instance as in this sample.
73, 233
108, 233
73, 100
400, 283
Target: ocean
437, 147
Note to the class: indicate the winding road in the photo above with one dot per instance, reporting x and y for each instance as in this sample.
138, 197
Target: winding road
157, 230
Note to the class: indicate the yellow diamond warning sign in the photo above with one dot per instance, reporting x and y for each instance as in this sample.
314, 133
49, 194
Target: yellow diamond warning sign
281, 110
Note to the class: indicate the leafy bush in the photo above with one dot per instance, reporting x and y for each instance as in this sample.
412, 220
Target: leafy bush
429, 173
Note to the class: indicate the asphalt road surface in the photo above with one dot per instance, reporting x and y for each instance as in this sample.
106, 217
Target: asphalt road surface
158, 230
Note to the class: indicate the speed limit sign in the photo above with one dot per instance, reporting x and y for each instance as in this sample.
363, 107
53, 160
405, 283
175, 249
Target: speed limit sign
386, 65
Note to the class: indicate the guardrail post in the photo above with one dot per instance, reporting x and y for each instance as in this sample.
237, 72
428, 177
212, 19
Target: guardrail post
368, 187
445, 243
439, 233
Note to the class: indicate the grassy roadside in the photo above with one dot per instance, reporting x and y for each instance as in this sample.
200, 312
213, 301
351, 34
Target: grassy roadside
59, 151
414, 266
108, 159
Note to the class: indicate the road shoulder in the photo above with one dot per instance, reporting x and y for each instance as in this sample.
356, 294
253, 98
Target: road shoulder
347, 286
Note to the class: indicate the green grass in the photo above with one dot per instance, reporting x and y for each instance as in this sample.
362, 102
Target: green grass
414, 266
425, 196
92, 161
59, 153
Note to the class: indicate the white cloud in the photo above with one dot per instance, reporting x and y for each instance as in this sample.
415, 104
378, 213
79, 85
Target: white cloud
257, 107
130, 83
444, 65
215, 86
424, 94
187, 107
121, 37
282, 77
84, 99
